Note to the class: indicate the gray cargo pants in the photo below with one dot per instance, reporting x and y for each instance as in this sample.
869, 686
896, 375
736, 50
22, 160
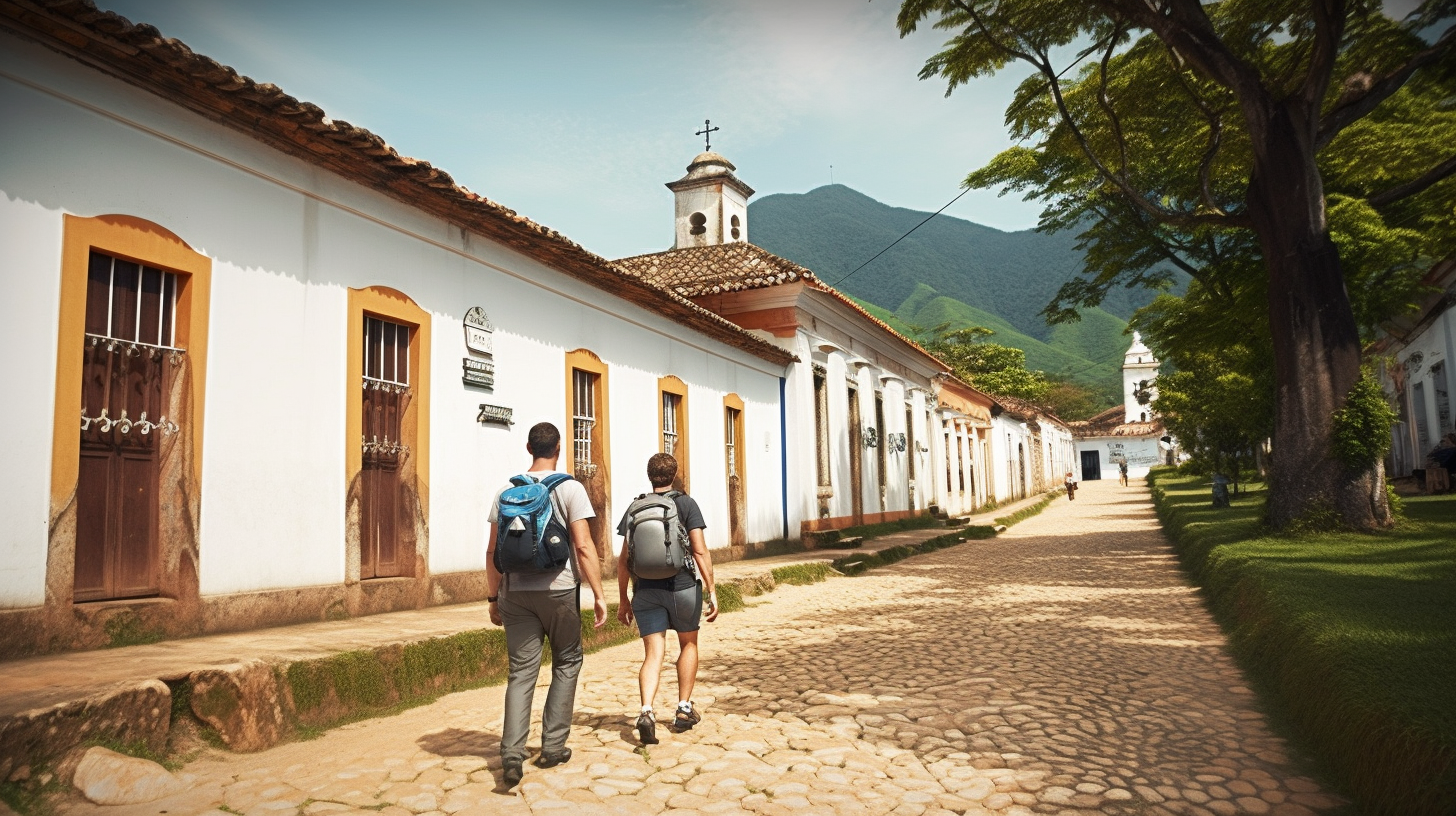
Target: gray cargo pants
530, 616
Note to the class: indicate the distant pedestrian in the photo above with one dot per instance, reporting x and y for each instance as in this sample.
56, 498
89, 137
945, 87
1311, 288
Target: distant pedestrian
1122, 472
540, 550
665, 559
1071, 485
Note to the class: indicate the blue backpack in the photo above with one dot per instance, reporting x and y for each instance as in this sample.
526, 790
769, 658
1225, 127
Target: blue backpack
530, 535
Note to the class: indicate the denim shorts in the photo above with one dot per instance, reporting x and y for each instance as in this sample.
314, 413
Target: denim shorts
658, 610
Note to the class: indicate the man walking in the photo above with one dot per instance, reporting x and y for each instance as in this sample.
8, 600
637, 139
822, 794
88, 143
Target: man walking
675, 603
1122, 472
534, 605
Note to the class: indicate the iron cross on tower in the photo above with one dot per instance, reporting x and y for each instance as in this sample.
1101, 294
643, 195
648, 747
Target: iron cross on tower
707, 134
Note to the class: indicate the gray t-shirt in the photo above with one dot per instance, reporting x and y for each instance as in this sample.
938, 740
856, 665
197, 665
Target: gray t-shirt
571, 498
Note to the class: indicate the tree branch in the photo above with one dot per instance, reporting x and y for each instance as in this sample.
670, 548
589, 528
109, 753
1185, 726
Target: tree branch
1215, 142
1329, 29
1157, 241
1415, 185
1106, 103
1351, 107
1184, 26
1042, 63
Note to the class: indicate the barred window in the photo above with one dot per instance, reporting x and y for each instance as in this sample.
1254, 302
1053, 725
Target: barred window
386, 351
730, 439
584, 416
671, 403
131, 302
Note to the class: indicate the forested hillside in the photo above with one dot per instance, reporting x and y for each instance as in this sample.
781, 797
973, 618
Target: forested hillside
951, 270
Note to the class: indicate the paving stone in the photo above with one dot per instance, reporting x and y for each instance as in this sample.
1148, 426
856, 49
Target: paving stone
1062, 667
108, 778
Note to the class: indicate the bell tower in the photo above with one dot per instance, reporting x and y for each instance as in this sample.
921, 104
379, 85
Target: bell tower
710, 204
1139, 375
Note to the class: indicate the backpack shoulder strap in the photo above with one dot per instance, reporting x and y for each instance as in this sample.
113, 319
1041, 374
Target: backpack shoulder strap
555, 480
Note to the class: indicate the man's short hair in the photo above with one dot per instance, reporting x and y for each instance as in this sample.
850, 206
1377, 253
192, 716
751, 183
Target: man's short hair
544, 440
661, 469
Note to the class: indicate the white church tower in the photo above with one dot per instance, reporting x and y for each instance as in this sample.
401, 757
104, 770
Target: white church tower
1139, 373
711, 204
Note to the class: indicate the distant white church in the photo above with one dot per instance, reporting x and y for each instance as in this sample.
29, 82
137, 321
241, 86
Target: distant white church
1130, 432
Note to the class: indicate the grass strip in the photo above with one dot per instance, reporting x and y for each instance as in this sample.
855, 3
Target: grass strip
1350, 638
860, 563
920, 522
1028, 511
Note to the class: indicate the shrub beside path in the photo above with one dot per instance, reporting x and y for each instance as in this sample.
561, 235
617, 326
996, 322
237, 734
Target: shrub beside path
1063, 667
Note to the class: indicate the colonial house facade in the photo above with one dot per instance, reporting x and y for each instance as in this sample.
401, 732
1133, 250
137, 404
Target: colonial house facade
276, 370
964, 471
867, 437
1036, 447
1130, 433
1416, 352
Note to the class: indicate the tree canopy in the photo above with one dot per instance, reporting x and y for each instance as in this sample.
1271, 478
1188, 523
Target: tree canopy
1294, 157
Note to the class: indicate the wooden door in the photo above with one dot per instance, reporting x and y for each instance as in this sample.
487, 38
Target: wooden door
1091, 466
385, 395
128, 358
856, 446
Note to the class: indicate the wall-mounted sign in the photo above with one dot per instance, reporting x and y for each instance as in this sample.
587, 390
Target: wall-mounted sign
479, 331
478, 372
495, 413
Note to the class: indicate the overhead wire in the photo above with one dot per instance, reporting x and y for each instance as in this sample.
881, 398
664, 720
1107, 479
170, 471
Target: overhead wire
1009, 113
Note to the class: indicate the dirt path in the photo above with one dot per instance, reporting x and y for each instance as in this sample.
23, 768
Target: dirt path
1064, 667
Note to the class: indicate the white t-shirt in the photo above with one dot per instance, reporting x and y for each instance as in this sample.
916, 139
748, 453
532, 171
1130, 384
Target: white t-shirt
572, 499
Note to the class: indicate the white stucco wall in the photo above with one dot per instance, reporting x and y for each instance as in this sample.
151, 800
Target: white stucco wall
287, 240
30, 242
1142, 453
1432, 346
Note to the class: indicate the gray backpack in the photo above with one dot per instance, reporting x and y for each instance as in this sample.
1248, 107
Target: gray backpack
657, 543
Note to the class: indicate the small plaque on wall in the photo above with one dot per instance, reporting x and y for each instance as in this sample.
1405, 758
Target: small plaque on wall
479, 331
497, 414
479, 373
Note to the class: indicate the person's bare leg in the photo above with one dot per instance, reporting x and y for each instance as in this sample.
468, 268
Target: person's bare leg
653, 647
687, 665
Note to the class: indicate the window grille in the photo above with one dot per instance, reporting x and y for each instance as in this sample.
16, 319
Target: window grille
130, 329
129, 302
670, 404
1442, 392
386, 352
583, 419
386, 386
730, 440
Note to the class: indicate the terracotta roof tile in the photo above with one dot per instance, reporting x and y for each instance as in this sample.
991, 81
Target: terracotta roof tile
1112, 423
737, 267
140, 55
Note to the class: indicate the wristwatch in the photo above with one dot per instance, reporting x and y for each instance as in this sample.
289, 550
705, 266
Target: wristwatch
492, 599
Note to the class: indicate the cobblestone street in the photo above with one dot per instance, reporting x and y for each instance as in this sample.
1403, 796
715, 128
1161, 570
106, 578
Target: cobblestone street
1063, 667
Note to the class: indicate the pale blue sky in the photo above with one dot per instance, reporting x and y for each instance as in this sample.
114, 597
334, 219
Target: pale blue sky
576, 113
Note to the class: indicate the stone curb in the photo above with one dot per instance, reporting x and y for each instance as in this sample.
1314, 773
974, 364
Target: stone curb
129, 713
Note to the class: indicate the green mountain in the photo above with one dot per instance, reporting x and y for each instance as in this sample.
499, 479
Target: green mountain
951, 270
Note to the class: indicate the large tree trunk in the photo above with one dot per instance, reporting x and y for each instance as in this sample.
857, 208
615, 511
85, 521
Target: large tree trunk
1316, 341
